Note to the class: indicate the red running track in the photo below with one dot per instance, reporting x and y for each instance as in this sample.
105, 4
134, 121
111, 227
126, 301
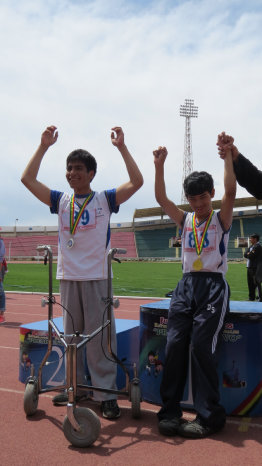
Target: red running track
126, 441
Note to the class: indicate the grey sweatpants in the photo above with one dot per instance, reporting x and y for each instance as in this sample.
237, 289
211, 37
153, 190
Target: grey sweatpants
83, 299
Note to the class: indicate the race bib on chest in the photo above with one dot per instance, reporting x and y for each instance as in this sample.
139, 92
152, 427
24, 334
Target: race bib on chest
209, 241
86, 221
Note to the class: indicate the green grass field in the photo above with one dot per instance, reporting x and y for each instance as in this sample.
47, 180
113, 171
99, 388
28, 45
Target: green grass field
130, 278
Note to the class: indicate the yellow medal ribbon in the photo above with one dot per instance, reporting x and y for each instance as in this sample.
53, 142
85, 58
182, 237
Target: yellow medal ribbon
198, 264
73, 224
199, 244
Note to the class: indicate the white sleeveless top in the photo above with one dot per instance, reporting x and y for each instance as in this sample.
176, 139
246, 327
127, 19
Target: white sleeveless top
87, 258
214, 252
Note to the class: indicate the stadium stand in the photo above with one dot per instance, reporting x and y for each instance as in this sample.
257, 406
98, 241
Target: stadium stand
155, 243
235, 232
125, 240
25, 247
146, 237
252, 225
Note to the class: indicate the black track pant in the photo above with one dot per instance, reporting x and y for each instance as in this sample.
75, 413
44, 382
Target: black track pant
197, 312
253, 284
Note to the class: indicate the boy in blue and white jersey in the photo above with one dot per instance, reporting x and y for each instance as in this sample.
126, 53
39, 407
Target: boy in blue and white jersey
84, 242
199, 303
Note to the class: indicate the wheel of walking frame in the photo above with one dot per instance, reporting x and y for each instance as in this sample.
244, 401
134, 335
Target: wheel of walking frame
31, 398
89, 428
135, 398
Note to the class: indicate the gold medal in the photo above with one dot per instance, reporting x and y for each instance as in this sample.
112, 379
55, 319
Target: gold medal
197, 264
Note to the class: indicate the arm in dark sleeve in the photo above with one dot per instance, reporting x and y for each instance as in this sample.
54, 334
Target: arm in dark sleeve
256, 251
55, 197
248, 176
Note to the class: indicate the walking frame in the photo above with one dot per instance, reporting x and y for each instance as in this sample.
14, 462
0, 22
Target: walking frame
81, 425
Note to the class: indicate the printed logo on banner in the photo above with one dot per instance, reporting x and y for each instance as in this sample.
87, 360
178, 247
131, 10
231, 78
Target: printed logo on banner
230, 334
160, 328
229, 325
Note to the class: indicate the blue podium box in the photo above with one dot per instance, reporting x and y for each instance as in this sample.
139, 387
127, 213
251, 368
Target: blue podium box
239, 357
33, 347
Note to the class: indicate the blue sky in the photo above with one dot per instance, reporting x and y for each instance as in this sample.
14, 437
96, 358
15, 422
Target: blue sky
86, 66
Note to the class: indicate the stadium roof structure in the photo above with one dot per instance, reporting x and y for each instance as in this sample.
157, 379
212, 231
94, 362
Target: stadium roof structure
159, 212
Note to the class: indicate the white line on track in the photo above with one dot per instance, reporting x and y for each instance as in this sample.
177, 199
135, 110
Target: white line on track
20, 392
9, 347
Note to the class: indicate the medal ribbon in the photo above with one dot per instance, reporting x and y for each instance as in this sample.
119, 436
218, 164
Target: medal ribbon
73, 225
199, 245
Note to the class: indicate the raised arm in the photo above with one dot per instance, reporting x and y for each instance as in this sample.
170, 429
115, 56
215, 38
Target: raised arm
29, 177
227, 203
225, 142
160, 188
247, 174
126, 190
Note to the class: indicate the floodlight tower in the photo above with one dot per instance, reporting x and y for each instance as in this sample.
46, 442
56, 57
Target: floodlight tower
188, 110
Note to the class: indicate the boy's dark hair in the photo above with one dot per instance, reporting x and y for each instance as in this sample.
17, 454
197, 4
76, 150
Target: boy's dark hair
255, 235
83, 156
197, 183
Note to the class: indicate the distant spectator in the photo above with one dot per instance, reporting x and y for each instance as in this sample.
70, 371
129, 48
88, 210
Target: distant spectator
2, 273
4, 269
253, 254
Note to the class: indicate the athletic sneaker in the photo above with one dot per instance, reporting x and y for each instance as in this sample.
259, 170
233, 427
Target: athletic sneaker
195, 429
2, 319
110, 409
62, 399
169, 427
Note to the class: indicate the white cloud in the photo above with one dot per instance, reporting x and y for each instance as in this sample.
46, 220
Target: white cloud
86, 66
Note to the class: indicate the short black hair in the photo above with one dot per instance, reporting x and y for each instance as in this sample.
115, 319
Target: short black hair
198, 183
83, 156
255, 235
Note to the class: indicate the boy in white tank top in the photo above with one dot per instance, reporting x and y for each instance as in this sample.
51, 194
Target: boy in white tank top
84, 241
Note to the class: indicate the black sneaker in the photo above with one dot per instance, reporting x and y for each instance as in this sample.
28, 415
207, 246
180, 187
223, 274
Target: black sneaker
62, 399
195, 429
110, 409
169, 427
